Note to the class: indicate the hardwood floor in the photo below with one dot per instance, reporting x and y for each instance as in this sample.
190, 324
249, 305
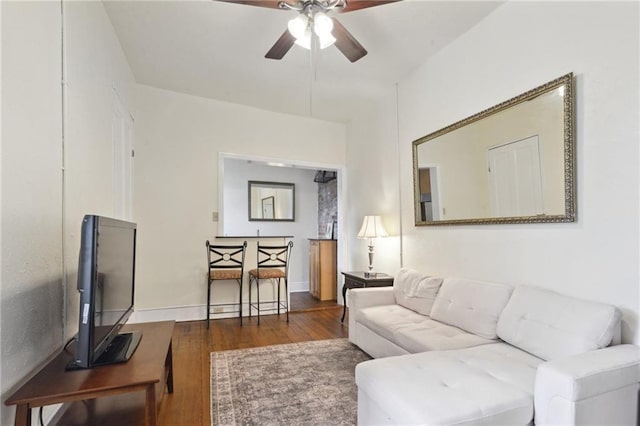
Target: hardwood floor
304, 301
193, 343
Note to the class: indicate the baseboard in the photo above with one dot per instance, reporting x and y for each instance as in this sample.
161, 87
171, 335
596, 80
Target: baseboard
299, 287
199, 312
186, 313
173, 313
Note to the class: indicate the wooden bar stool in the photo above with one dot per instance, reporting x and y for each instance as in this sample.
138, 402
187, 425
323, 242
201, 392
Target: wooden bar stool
273, 265
225, 262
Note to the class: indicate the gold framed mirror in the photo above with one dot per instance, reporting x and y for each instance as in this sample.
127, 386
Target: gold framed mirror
512, 163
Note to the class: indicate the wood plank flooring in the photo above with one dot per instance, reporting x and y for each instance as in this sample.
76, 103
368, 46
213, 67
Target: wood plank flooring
193, 343
304, 301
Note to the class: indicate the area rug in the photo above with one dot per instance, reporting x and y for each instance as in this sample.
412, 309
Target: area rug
310, 383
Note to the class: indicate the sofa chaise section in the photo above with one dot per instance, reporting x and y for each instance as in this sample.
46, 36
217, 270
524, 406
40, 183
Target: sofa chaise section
549, 361
487, 384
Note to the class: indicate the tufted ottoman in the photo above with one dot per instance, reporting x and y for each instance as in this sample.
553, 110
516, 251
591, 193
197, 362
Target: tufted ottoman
487, 385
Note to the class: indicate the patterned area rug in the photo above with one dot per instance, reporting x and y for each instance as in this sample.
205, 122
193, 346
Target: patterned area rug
310, 383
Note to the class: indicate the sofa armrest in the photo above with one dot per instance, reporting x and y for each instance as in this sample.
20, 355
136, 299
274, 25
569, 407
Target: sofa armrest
595, 387
360, 298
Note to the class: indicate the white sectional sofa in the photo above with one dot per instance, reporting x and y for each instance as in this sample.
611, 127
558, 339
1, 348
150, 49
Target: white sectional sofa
461, 352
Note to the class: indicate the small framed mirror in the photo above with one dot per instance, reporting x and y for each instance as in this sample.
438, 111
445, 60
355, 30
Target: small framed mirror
512, 163
272, 201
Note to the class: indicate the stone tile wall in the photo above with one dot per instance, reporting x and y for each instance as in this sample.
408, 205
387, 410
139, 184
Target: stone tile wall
327, 207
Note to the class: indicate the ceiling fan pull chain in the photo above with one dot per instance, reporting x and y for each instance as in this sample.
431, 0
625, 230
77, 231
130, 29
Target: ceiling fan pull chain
312, 73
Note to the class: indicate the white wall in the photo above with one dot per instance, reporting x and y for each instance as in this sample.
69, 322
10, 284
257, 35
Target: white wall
237, 173
31, 281
373, 187
95, 65
518, 47
39, 243
178, 139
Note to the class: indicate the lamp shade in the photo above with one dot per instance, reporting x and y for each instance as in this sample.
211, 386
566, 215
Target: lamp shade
372, 228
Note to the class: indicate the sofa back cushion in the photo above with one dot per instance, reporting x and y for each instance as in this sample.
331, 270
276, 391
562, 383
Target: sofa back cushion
550, 325
415, 290
471, 305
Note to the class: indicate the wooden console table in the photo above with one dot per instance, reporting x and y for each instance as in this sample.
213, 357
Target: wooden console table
362, 280
150, 367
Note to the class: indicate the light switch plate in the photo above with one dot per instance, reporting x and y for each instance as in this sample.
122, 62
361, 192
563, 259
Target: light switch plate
214, 216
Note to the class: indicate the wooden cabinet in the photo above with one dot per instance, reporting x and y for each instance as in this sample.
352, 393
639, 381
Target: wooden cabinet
322, 269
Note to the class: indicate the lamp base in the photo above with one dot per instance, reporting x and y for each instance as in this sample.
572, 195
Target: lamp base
370, 273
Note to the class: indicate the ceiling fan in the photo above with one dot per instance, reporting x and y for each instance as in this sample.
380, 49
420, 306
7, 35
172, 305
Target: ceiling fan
313, 23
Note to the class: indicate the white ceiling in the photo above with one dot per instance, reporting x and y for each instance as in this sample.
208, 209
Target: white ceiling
216, 50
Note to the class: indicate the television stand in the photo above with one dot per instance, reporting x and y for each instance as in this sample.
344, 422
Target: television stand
150, 367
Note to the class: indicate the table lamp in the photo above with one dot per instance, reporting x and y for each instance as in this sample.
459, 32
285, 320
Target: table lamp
371, 228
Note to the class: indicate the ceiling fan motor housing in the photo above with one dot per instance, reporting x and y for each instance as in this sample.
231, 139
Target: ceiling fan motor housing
308, 6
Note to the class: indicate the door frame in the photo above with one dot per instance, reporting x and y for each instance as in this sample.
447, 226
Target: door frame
340, 169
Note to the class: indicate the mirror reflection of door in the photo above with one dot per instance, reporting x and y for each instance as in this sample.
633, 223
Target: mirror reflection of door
429, 197
515, 183
267, 208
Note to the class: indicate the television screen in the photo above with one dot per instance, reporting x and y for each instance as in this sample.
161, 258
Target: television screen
106, 282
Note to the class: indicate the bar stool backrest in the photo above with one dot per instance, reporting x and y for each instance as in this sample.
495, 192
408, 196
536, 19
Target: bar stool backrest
226, 257
270, 256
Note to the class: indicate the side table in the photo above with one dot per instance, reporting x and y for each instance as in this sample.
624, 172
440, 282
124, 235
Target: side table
362, 280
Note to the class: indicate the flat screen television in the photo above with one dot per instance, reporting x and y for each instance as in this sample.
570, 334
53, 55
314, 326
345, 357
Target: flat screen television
106, 283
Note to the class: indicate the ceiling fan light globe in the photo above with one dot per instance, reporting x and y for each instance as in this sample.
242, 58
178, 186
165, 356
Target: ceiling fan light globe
326, 40
305, 40
298, 26
322, 24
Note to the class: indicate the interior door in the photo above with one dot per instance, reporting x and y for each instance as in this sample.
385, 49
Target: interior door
515, 182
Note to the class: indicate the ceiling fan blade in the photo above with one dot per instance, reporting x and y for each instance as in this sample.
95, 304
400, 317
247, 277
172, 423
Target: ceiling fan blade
271, 4
346, 43
281, 47
362, 4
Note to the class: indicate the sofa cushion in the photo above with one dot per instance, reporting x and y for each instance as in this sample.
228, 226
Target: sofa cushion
415, 290
550, 325
488, 384
385, 320
415, 332
436, 336
471, 305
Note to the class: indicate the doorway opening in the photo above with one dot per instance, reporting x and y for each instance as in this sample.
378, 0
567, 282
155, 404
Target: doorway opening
319, 197
428, 181
322, 290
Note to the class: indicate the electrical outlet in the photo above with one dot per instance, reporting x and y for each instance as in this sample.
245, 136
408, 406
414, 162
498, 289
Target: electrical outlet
214, 216
218, 309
